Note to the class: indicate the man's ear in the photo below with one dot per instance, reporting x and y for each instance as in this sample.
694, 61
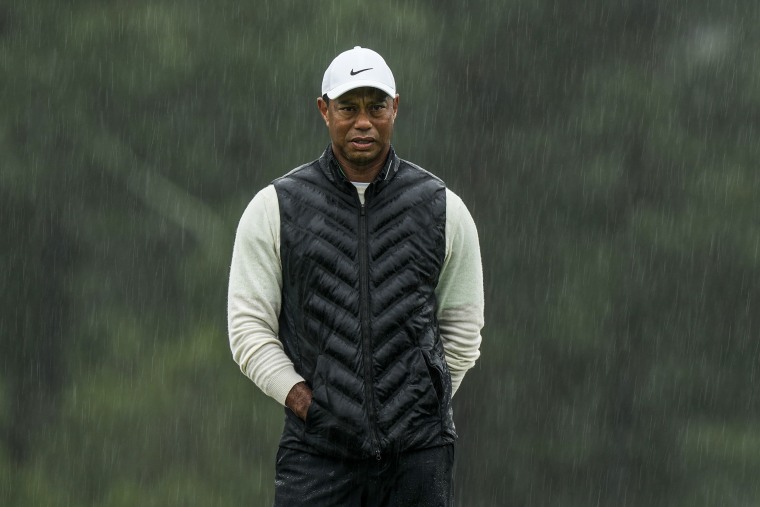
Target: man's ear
322, 105
395, 106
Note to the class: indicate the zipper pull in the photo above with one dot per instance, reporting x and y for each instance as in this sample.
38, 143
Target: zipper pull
378, 457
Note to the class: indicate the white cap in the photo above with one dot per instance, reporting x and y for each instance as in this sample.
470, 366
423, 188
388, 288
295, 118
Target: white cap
357, 68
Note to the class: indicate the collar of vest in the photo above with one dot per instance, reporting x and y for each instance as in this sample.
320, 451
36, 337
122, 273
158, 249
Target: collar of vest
332, 170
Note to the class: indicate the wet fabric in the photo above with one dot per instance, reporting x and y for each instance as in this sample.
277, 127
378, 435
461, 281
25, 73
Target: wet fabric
358, 315
420, 478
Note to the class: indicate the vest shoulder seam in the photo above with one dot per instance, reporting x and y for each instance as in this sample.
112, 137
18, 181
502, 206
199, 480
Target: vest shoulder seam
423, 170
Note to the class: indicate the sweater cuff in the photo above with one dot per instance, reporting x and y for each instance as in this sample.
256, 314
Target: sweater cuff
281, 383
456, 381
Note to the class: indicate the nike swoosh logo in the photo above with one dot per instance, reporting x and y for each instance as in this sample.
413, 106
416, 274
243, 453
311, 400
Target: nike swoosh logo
359, 71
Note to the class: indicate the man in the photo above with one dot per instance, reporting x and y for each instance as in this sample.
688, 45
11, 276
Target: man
356, 301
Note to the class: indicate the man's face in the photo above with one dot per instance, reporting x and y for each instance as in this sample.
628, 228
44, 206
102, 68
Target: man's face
360, 123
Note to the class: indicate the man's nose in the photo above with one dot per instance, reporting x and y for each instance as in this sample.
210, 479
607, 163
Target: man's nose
362, 120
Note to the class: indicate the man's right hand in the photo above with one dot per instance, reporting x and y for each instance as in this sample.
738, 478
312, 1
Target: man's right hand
299, 400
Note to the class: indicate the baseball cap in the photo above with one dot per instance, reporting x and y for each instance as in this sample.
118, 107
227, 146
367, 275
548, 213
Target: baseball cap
356, 68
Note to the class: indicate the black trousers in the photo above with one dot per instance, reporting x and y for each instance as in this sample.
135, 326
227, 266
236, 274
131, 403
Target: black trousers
421, 478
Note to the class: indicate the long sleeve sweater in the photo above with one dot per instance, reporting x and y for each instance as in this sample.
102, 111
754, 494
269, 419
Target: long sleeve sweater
256, 283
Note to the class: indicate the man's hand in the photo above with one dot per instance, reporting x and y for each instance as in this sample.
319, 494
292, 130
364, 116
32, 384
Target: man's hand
299, 400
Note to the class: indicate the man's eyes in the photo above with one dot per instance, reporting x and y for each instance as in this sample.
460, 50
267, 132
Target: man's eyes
352, 109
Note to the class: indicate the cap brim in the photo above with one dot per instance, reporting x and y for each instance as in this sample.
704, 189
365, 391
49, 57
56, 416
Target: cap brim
352, 85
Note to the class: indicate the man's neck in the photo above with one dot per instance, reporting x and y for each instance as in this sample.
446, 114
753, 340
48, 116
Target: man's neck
361, 174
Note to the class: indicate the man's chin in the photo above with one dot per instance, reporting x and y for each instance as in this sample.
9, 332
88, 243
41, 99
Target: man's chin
363, 158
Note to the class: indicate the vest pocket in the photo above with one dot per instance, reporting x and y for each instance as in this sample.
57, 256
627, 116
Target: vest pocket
435, 372
323, 426
312, 417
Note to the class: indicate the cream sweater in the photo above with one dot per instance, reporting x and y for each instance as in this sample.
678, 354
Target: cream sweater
256, 283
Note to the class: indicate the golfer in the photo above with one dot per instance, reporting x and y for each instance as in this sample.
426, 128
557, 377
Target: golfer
356, 301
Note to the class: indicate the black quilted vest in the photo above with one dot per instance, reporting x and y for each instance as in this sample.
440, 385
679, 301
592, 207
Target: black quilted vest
358, 315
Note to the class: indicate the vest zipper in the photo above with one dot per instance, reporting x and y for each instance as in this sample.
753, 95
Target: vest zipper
369, 378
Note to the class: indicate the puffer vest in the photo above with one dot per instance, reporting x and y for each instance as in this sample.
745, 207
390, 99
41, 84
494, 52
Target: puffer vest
358, 316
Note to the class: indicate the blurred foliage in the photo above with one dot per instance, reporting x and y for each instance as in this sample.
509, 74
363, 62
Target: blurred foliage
607, 151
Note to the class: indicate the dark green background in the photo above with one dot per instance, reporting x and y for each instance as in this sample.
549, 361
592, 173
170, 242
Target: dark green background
607, 150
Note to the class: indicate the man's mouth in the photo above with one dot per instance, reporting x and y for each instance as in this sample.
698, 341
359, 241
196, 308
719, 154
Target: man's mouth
362, 142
